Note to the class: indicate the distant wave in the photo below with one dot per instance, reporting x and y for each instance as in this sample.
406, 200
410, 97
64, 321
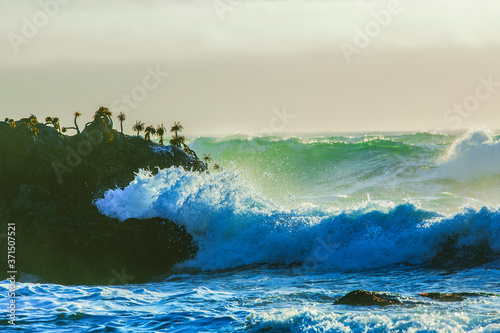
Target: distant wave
474, 155
235, 226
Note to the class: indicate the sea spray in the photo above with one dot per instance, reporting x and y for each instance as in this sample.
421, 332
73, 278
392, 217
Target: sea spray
235, 226
474, 155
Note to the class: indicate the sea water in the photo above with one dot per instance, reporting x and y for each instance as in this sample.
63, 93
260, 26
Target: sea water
293, 223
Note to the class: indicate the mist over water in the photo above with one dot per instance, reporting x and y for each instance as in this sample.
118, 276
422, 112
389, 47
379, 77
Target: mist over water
435, 171
393, 198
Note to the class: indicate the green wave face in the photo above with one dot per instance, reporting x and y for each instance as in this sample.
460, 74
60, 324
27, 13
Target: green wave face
437, 171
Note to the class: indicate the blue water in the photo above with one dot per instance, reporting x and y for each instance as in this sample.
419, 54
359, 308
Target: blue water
292, 224
263, 299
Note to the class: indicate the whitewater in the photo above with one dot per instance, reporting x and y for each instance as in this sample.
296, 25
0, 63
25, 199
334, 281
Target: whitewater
291, 224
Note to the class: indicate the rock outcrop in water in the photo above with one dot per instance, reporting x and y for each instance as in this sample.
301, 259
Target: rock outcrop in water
367, 298
443, 297
48, 182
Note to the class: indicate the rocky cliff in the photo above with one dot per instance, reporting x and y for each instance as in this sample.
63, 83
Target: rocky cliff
48, 182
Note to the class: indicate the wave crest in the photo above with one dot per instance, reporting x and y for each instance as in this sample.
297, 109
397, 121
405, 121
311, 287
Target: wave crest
234, 226
474, 155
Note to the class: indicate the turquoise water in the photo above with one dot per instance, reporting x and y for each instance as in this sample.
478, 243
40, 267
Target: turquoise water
290, 225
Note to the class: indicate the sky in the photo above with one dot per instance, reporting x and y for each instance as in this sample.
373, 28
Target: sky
224, 67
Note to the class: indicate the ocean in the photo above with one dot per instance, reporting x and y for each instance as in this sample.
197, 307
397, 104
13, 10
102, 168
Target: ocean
291, 224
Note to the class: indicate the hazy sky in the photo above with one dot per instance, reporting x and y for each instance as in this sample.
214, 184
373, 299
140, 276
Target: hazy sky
255, 66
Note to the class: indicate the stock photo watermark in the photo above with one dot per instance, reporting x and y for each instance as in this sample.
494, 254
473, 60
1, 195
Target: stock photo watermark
323, 250
74, 157
222, 7
279, 122
122, 277
11, 272
151, 81
30, 27
372, 29
460, 111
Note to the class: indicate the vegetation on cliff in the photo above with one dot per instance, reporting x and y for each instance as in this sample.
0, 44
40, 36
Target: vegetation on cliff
48, 182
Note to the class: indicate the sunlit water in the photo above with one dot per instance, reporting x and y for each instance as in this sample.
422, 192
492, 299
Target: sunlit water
263, 299
292, 224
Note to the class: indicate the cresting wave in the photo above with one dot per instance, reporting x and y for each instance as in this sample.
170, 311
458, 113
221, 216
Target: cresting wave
474, 155
443, 172
234, 226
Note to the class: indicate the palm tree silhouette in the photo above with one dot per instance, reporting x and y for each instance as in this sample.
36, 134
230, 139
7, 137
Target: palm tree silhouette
77, 115
148, 131
105, 115
192, 153
217, 167
207, 159
121, 117
64, 129
177, 127
177, 141
56, 123
11, 122
138, 126
160, 131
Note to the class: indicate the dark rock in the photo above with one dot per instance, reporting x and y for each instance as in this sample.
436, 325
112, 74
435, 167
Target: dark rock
451, 255
452, 297
367, 298
48, 182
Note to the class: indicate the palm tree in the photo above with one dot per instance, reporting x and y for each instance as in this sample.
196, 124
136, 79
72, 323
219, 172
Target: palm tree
148, 131
54, 121
105, 115
57, 125
65, 129
77, 115
121, 117
139, 127
160, 131
177, 127
207, 159
217, 167
177, 141
33, 120
192, 153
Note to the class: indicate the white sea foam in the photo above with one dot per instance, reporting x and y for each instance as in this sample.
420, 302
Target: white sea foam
474, 155
235, 226
310, 320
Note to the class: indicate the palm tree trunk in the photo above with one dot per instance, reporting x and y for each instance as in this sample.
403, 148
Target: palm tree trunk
121, 125
76, 125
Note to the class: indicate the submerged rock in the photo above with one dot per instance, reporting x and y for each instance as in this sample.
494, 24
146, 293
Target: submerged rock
452, 255
367, 298
48, 182
452, 297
